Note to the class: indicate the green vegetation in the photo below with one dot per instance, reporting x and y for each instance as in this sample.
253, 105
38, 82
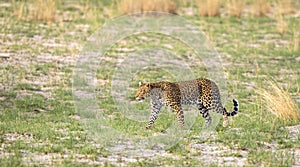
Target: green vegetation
38, 120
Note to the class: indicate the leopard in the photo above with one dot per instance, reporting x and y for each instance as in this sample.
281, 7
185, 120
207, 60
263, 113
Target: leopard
202, 92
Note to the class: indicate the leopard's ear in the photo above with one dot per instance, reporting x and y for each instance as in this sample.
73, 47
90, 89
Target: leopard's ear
140, 83
148, 85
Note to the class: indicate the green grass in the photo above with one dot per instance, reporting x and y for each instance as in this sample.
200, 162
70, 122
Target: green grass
37, 111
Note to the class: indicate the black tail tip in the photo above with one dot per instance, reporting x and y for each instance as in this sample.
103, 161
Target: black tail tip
235, 102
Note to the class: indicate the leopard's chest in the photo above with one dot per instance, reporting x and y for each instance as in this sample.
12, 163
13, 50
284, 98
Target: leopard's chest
156, 97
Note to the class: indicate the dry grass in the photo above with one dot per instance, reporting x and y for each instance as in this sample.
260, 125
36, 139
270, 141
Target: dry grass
283, 7
140, 6
281, 25
296, 41
209, 7
279, 102
19, 9
261, 7
185, 3
235, 7
38, 10
44, 10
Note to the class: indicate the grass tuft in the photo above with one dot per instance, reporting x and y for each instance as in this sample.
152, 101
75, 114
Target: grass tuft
38, 10
284, 7
235, 7
296, 41
279, 102
140, 6
261, 8
280, 10
44, 10
209, 8
281, 25
19, 9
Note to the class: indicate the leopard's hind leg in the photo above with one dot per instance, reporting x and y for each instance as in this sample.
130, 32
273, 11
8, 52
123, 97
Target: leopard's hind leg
205, 114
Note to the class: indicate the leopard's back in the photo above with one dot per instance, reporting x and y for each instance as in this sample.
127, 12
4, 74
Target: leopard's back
197, 91
192, 92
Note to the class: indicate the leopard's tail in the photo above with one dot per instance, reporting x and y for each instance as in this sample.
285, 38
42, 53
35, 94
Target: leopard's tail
235, 108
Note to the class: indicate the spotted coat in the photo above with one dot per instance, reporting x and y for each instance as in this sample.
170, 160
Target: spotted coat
203, 93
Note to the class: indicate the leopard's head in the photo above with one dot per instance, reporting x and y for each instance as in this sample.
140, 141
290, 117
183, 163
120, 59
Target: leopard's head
143, 91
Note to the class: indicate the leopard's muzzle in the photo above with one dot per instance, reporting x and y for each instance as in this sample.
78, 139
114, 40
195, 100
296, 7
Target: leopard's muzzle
140, 98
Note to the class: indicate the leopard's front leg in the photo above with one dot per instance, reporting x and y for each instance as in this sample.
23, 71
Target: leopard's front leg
154, 113
179, 113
